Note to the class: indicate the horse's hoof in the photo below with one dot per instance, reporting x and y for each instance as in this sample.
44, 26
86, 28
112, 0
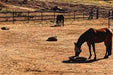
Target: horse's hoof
71, 58
94, 59
89, 58
106, 57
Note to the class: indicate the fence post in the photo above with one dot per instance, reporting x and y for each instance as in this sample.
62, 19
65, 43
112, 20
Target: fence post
74, 15
6, 1
28, 16
103, 14
109, 14
54, 15
83, 15
91, 14
97, 14
109, 17
41, 16
112, 15
13, 16
108, 22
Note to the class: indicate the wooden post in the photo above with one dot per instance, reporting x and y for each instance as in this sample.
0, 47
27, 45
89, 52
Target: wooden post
13, 16
91, 14
92, 11
41, 16
109, 17
83, 15
28, 16
109, 14
25, 1
109, 22
97, 14
112, 15
103, 14
54, 15
6, 0
74, 15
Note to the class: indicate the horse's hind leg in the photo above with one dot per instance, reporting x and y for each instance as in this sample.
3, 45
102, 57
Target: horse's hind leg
108, 48
106, 55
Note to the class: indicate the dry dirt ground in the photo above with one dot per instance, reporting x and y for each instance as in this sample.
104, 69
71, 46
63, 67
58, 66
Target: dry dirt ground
25, 51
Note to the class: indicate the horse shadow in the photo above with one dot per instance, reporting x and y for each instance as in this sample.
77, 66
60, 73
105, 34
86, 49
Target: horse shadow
82, 61
56, 26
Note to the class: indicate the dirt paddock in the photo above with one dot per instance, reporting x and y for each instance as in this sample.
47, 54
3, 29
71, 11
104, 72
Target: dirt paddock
25, 51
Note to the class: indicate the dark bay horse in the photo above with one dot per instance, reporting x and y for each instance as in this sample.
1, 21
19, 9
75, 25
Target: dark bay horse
60, 19
92, 36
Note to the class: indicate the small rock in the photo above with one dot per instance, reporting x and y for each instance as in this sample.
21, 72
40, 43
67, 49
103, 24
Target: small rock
52, 38
4, 28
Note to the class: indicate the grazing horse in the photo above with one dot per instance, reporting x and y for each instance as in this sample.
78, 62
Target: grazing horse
60, 18
92, 36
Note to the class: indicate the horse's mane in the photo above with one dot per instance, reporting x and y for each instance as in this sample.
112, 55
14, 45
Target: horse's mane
83, 37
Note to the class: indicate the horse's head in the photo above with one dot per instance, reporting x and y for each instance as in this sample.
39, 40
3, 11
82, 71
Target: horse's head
77, 50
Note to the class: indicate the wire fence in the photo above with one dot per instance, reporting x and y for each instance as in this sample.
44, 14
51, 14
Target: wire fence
50, 15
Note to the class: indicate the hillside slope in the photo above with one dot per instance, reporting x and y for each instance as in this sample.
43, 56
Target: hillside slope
70, 5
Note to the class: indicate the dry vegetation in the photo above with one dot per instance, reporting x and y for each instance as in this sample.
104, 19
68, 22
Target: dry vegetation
25, 51
34, 5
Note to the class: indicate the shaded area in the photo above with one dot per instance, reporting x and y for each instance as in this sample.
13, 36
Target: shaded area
4, 28
52, 38
56, 26
81, 60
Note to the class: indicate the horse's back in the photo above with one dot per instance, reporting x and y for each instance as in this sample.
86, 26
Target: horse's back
98, 35
60, 17
102, 30
105, 30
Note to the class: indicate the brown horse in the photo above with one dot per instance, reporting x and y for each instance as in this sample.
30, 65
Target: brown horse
92, 36
60, 19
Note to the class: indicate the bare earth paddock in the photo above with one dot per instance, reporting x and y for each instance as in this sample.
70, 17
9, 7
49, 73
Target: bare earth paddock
25, 51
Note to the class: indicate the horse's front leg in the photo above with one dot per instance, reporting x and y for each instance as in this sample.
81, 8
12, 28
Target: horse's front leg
94, 50
106, 55
89, 51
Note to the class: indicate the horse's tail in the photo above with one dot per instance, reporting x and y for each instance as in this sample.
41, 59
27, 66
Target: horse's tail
110, 33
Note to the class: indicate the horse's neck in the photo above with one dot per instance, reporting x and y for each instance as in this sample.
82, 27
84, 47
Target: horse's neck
81, 40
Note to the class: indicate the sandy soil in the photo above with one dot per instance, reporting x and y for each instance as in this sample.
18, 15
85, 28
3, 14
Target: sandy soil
25, 51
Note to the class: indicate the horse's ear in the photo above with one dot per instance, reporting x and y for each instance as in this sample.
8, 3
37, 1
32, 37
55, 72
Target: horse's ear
75, 43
